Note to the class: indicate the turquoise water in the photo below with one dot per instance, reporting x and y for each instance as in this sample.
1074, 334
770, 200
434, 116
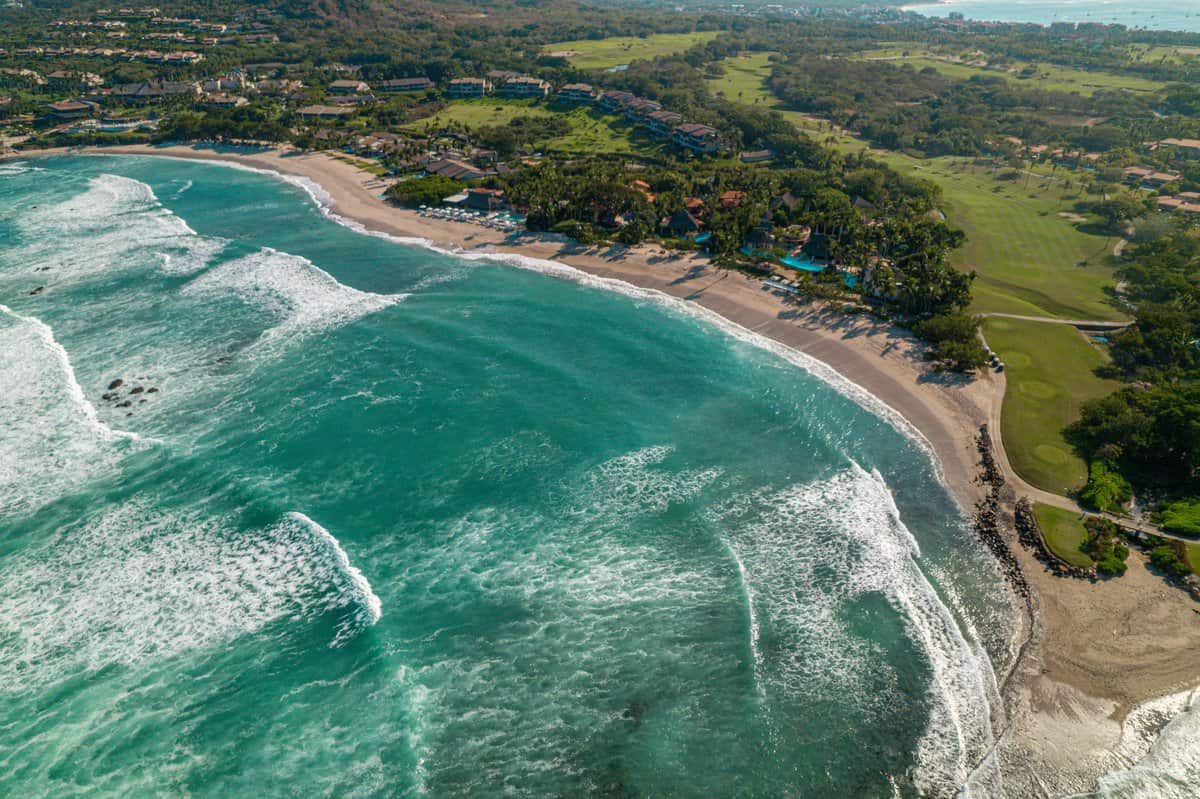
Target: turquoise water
395, 522
1168, 15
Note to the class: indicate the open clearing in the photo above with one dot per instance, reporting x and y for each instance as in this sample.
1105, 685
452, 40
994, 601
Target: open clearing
1049, 77
1051, 372
590, 132
618, 50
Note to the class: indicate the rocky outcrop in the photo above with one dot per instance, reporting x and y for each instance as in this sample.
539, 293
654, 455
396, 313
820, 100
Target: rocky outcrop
988, 518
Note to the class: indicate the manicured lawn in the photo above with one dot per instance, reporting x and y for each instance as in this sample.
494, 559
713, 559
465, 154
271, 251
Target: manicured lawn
1050, 371
1049, 77
1064, 532
1192, 551
745, 79
612, 52
590, 132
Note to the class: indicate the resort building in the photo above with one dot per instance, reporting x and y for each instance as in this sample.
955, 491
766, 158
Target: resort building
455, 170
233, 82
732, 199
406, 85
323, 112
70, 79
697, 138
614, 102
1187, 205
222, 100
1150, 177
273, 86
1187, 146
577, 94
72, 109
153, 91
661, 123
349, 87
469, 87
639, 107
756, 156
524, 86
683, 225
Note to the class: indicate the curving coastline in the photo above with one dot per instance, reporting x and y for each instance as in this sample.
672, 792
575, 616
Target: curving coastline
1065, 683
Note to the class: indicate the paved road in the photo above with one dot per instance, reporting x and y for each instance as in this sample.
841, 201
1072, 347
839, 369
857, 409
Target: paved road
1089, 324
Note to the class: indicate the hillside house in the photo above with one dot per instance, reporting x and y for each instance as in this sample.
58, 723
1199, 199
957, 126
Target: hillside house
469, 87
524, 87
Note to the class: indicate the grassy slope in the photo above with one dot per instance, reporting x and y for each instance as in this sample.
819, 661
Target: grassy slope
590, 132
1027, 256
605, 53
1064, 533
1049, 77
1050, 374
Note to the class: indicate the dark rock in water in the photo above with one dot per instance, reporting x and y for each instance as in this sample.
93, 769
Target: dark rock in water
37, 291
141, 402
152, 390
129, 414
125, 404
116, 384
106, 397
635, 712
136, 390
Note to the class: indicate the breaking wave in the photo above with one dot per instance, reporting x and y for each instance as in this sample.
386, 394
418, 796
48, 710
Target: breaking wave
139, 584
52, 438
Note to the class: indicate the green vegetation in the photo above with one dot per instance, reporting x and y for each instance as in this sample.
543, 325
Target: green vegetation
1150, 427
1051, 371
618, 50
1182, 516
1191, 554
428, 190
955, 341
1030, 258
1106, 489
1048, 77
1105, 546
579, 131
1064, 533
1166, 556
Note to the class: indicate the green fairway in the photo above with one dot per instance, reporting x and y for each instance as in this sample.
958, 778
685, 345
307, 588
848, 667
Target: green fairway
1051, 372
1048, 77
618, 50
590, 133
1064, 533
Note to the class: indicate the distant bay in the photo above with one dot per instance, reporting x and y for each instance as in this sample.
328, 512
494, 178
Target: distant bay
1169, 15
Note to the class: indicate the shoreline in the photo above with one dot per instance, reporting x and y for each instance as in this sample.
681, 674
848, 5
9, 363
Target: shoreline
1069, 692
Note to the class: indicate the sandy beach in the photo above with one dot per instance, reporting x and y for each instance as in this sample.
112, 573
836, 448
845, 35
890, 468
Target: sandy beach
1096, 651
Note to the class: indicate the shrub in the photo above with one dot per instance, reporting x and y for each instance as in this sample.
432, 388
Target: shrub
955, 340
1105, 547
1166, 558
1106, 489
428, 190
1182, 516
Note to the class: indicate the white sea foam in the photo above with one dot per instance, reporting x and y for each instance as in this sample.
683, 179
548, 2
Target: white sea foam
1163, 736
140, 584
361, 586
124, 226
52, 438
303, 297
788, 542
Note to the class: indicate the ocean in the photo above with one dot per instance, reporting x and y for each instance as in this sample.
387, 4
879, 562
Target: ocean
1166, 15
367, 519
